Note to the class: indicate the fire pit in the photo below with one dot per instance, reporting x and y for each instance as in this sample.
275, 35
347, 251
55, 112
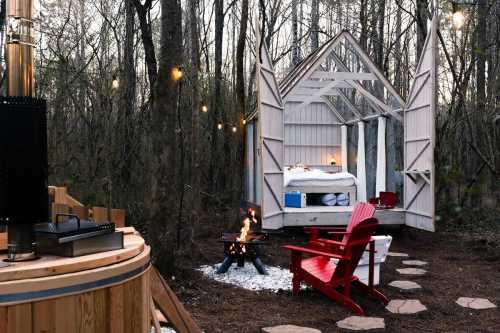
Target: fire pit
242, 246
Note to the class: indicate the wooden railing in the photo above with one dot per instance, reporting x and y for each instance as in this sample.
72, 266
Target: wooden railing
64, 203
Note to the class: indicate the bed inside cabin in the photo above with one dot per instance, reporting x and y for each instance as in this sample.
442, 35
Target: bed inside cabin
315, 158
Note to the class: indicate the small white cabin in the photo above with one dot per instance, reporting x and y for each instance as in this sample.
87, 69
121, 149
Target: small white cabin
307, 135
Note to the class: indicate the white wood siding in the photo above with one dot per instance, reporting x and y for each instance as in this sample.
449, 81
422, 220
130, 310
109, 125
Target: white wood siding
271, 142
250, 162
419, 126
312, 135
257, 179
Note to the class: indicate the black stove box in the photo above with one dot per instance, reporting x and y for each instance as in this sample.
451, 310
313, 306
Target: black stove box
23, 161
81, 247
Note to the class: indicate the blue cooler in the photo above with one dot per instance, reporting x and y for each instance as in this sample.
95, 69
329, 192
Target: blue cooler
295, 199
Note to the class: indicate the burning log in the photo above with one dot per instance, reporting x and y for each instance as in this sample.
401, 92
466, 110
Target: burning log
246, 244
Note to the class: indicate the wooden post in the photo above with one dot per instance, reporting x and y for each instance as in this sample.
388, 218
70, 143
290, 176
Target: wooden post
59, 209
381, 157
344, 148
100, 214
118, 217
361, 164
80, 211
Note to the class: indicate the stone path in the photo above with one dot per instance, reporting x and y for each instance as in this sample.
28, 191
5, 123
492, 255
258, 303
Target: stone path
415, 262
475, 303
357, 323
397, 306
405, 306
405, 285
396, 254
289, 329
411, 271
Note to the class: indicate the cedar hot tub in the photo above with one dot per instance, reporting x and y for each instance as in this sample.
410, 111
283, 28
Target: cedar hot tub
98, 293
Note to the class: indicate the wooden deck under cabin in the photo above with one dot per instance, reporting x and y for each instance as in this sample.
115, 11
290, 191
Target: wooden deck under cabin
336, 215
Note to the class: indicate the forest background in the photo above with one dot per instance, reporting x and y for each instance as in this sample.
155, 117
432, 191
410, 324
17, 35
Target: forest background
124, 132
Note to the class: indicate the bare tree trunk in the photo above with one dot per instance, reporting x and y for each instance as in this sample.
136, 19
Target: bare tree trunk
166, 178
363, 20
240, 89
397, 52
481, 48
128, 100
143, 12
195, 108
421, 16
295, 35
314, 25
217, 104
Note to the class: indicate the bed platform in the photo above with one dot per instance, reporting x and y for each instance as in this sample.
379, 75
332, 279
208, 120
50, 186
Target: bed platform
335, 215
351, 190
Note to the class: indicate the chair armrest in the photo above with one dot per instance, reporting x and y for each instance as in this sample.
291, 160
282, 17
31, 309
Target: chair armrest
313, 252
308, 229
330, 242
339, 233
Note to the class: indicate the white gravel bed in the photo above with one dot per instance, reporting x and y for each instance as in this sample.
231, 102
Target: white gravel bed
164, 330
248, 278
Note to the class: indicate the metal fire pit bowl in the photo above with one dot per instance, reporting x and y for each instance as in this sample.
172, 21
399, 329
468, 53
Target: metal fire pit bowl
239, 251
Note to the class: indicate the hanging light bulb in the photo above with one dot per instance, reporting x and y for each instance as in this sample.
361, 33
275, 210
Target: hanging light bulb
458, 17
219, 126
177, 73
204, 109
244, 121
333, 161
115, 84
235, 129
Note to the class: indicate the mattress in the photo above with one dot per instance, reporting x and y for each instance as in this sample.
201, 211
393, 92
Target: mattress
300, 177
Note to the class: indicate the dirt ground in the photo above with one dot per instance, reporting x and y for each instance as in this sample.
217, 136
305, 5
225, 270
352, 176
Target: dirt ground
460, 265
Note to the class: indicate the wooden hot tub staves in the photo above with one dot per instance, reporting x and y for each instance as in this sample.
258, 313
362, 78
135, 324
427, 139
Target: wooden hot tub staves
106, 292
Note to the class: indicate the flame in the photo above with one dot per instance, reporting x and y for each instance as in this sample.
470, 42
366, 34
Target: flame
244, 230
247, 222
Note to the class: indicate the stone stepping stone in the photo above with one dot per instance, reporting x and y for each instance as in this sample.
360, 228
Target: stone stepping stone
411, 271
289, 329
405, 285
397, 254
358, 323
475, 303
415, 262
405, 306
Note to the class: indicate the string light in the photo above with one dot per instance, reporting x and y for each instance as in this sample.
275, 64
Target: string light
204, 109
177, 73
458, 18
115, 84
233, 127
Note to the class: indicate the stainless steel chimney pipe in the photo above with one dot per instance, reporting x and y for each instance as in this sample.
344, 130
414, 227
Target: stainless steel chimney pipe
20, 69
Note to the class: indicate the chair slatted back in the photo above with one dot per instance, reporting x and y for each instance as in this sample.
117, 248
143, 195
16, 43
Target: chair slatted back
357, 241
361, 212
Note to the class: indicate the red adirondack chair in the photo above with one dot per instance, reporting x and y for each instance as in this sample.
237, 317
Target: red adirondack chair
322, 274
361, 211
